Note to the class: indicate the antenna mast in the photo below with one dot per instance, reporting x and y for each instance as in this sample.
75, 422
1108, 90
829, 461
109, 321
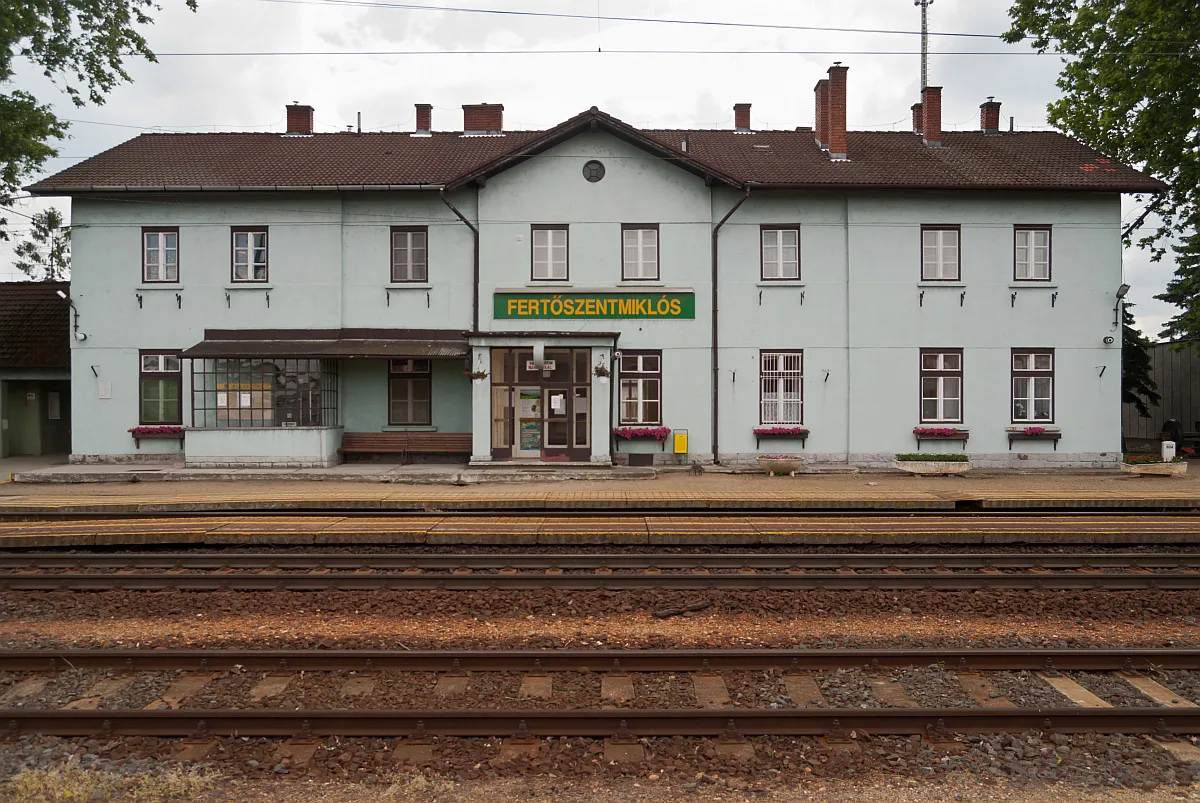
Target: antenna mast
924, 4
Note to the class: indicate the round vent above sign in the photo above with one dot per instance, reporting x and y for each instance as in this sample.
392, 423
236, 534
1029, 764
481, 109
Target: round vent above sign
593, 171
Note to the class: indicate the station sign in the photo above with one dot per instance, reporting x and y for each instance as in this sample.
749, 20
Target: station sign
527, 306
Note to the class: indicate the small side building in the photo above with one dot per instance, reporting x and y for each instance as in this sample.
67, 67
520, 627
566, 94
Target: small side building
35, 369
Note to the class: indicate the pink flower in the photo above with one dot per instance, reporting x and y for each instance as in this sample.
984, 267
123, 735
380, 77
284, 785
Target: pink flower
938, 432
139, 432
794, 432
1035, 430
629, 433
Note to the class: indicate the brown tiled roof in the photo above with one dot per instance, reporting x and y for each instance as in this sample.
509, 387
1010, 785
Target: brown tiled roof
877, 159
35, 325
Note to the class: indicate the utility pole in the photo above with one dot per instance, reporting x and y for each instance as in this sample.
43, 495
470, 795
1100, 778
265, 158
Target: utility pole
924, 4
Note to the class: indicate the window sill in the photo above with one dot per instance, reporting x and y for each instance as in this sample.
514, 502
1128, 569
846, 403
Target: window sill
931, 283
1032, 285
1020, 428
408, 428
249, 286
640, 283
159, 286
781, 283
410, 286
549, 283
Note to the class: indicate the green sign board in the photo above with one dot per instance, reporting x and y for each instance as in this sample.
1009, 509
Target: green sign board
594, 305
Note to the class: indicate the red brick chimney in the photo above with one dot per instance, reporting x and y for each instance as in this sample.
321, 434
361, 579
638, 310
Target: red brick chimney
483, 118
424, 118
918, 121
299, 119
989, 116
837, 111
931, 114
741, 116
821, 124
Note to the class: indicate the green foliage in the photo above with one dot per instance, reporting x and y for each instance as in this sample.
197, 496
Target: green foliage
932, 457
1184, 291
1131, 87
1147, 459
46, 255
81, 45
1137, 386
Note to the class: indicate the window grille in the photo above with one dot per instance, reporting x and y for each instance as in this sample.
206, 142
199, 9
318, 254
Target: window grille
275, 392
781, 387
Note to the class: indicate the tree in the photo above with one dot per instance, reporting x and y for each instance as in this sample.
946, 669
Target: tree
1184, 291
46, 255
79, 44
1137, 386
1131, 88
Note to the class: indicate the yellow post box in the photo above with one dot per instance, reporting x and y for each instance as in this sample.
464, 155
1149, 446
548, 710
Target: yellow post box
681, 438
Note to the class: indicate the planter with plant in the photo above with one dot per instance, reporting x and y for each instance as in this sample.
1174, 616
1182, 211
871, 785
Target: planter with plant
927, 463
781, 464
659, 434
476, 376
1034, 433
941, 434
1153, 465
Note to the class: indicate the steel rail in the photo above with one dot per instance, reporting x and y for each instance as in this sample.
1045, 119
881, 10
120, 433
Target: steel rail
593, 561
281, 581
599, 660
1181, 508
604, 723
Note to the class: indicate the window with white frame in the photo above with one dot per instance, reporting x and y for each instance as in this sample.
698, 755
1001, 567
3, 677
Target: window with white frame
159, 388
639, 252
250, 254
1032, 254
410, 254
160, 254
549, 254
780, 253
781, 387
941, 386
940, 253
641, 387
1033, 386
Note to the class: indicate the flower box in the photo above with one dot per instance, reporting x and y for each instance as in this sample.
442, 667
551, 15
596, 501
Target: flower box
1152, 465
941, 434
1034, 433
933, 464
155, 433
780, 431
781, 464
659, 434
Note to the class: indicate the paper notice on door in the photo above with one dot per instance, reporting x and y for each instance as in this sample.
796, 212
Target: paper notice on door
558, 403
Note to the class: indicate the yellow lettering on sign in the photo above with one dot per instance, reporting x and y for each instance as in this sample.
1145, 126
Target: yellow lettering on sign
676, 308
664, 306
512, 304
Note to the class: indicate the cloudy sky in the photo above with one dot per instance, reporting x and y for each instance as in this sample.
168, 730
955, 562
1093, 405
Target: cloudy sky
190, 92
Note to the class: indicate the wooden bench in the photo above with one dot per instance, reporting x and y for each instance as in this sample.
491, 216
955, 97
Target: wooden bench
405, 443
439, 442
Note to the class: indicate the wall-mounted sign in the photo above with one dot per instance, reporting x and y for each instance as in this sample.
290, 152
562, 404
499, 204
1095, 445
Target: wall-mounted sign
680, 306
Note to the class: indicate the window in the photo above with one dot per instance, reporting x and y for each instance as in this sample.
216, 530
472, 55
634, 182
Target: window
1031, 253
250, 254
939, 253
410, 254
1033, 386
270, 392
941, 386
641, 387
781, 253
160, 254
550, 253
639, 251
781, 387
158, 388
409, 392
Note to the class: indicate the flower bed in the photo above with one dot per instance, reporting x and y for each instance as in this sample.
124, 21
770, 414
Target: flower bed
155, 433
780, 431
925, 463
939, 432
1153, 465
1147, 459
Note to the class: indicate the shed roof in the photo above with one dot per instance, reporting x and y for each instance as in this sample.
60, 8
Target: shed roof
34, 325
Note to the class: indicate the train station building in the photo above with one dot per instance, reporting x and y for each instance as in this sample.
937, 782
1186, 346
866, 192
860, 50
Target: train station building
583, 294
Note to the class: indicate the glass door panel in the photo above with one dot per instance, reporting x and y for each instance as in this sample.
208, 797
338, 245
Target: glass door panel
558, 421
502, 422
529, 422
582, 418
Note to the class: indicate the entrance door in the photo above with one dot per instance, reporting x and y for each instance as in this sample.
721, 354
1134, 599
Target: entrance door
529, 423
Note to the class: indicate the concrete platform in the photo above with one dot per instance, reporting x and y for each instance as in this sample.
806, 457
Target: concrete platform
782, 530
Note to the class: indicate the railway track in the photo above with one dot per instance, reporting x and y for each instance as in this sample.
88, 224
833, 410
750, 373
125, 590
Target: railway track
697, 572
1171, 714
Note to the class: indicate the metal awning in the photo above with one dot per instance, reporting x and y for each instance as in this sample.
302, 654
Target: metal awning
388, 348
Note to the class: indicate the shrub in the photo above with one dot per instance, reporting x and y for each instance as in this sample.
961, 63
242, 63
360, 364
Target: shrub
933, 457
1145, 459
